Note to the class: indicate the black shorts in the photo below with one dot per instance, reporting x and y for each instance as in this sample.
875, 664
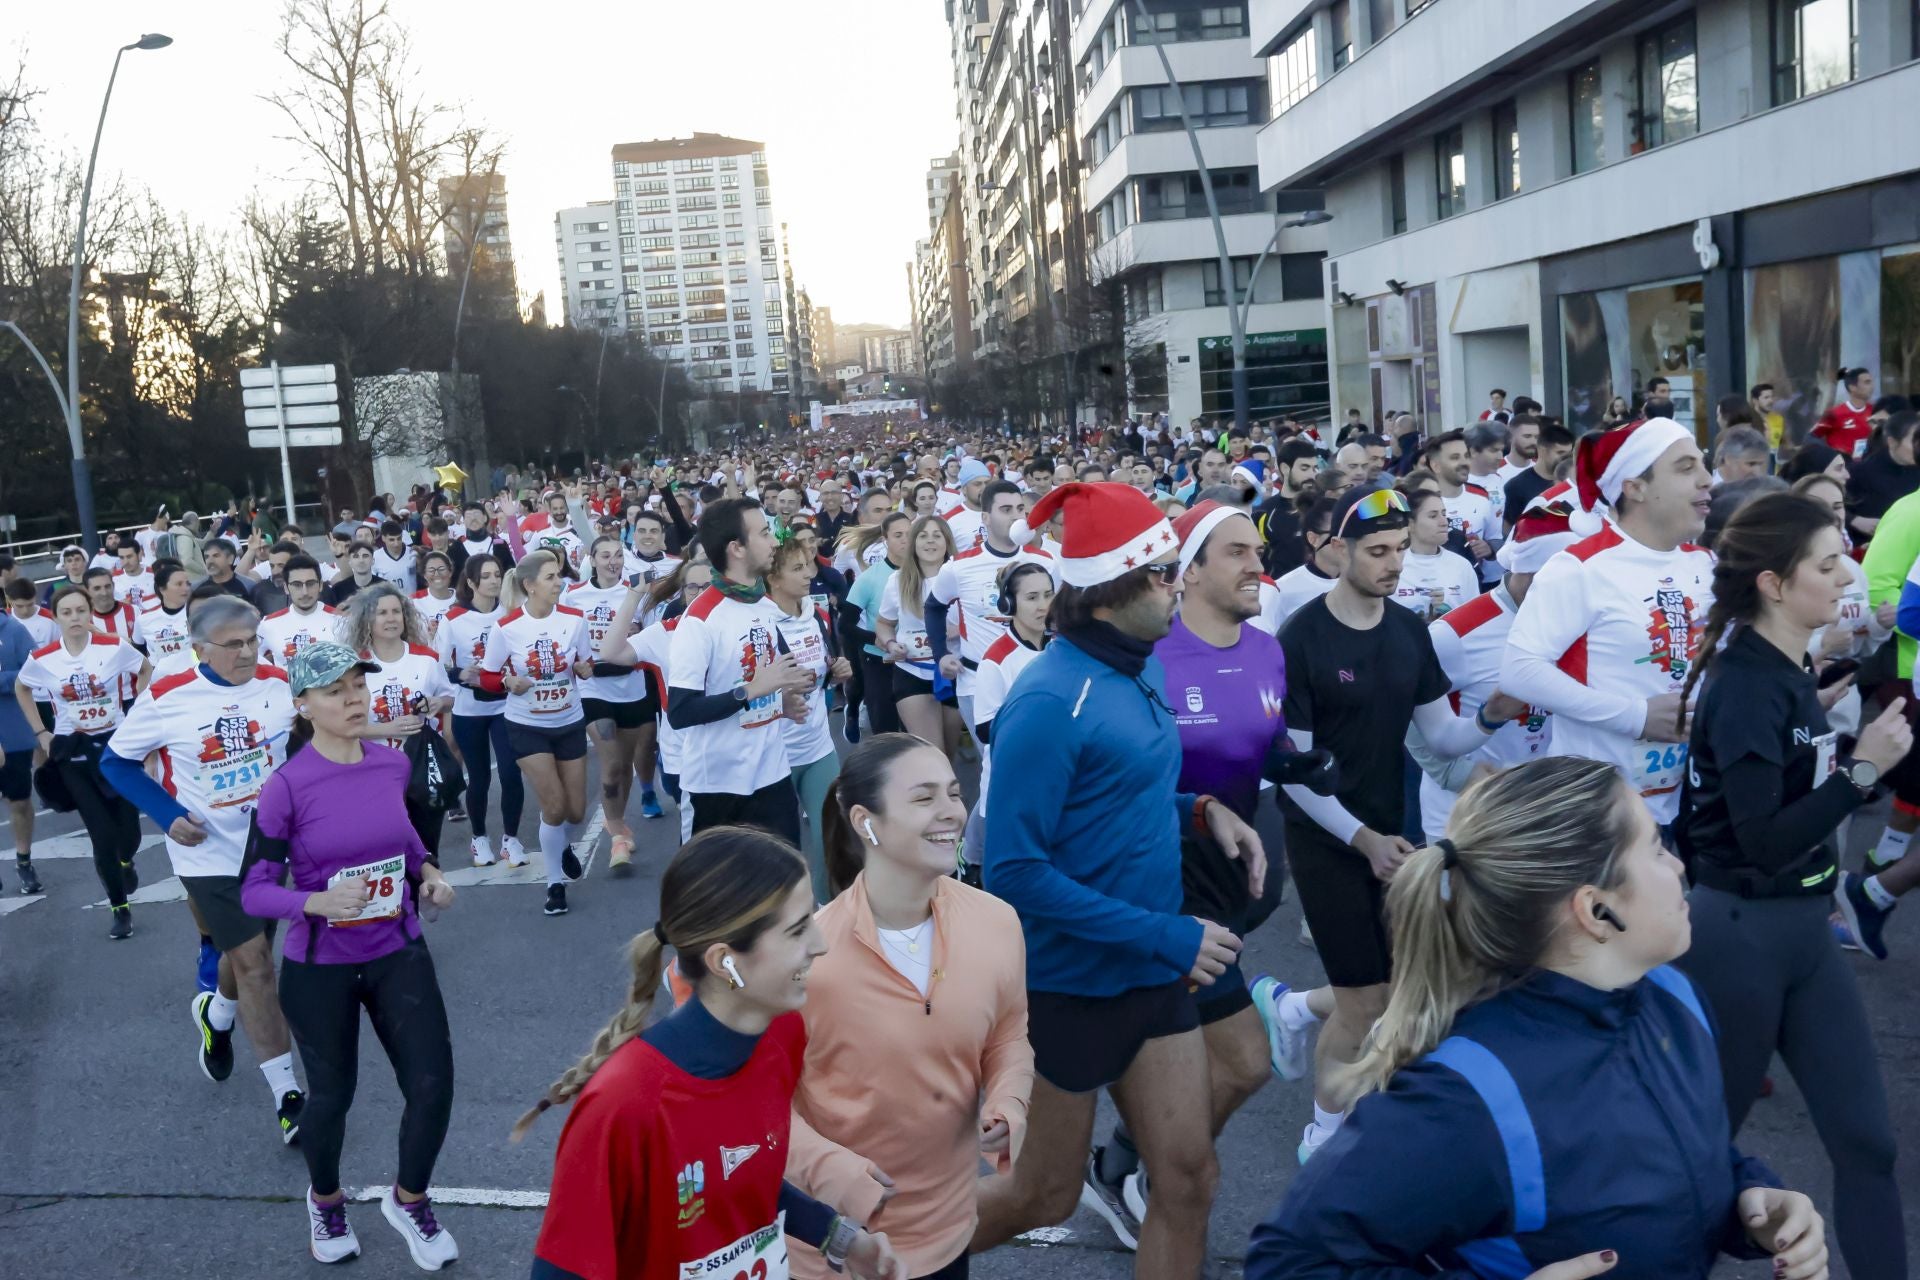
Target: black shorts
1345, 906
625, 715
1214, 887
16, 775
1083, 1043
774, 807
908, 685
561, 741
46, 713
217, 899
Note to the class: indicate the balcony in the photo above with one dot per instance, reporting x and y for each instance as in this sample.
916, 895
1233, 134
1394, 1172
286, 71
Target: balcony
1391, 84
1169, 151
1193, 61
1186, 239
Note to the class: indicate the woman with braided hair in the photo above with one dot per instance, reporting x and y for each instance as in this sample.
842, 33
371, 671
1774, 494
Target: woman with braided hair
1542, 1097
672, 1162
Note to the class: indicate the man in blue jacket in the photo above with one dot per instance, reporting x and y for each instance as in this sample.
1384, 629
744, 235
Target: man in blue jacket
16, 745
1087, 850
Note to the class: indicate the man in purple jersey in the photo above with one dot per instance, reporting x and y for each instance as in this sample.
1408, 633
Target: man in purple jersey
1226, 681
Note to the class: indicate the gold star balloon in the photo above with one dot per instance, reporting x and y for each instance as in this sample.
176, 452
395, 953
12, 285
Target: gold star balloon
451, 477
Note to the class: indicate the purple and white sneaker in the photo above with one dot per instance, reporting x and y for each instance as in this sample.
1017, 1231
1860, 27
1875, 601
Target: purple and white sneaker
329, 1235
430, 1243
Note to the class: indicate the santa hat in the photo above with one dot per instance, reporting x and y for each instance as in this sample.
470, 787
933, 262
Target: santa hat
1605, 460
1108, 530
1197, 525
1252, 473
1543, 530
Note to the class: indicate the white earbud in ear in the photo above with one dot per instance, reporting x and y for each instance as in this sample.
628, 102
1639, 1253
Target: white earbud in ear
733, 974
867, 826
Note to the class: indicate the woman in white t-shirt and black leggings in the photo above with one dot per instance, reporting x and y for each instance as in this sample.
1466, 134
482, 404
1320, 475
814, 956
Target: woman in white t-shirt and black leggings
409, 691
805, 633
901, 628
479, 719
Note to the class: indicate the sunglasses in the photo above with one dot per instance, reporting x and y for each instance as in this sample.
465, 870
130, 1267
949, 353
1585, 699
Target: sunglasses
1165, 574
1375, 505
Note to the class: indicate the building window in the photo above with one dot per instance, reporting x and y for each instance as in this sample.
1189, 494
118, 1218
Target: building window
1143, 296
1341, 15
1669, 107
1301, 276
1385, 15
1589, 118
1180, 20
1506, 149
1813, 46
1450, 171
1415, 6
1242, 277
1294, 72
1180, 195
1397, 192
1226, 102
1105, 136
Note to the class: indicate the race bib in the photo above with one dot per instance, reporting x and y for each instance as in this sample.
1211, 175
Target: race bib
758, 1255
235, 780
1826, 756
386, 883
918, 646
1658, 766
805, 643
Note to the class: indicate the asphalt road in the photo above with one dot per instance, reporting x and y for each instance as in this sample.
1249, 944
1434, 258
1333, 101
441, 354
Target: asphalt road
119, 1159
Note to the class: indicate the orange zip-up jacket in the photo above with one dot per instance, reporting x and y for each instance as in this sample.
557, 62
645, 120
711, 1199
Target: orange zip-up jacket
906, 1083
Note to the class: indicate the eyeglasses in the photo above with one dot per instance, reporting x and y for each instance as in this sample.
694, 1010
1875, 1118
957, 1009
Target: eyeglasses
1165, 574
1375, 505
235, 646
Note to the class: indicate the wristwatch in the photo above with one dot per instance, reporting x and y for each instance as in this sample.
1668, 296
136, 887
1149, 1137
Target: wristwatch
740, 692
1863, 774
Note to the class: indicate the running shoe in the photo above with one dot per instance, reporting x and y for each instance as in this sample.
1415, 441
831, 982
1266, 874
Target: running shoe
430, 1243
330, 1236
1879, 863
851, 730
620, 856
482, 850
207, 968
570, 864
650, 806
122, 924
216, 1047
1286, 1048
457, 814
130, 876
513, 851
29, 878
292, 1103
1107, 1200
1133, 1191
1310, 1144
1842, 934
556, 900
1864, 920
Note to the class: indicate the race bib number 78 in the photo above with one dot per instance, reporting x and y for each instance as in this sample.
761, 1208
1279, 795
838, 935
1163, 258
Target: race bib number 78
386, 885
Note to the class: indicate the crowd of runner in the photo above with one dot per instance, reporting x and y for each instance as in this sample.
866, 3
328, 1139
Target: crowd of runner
1564, 737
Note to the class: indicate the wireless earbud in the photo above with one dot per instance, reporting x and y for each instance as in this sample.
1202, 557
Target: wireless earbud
733, 974
1602, 912
867, 826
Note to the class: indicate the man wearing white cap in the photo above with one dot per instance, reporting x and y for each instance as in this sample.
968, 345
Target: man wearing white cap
1610, 627
965, 518
1086, 849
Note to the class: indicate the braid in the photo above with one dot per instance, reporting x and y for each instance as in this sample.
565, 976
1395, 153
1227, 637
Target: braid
646, 956
1719, 618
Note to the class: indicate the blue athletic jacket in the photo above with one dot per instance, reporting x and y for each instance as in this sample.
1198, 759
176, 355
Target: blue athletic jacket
1083, 827
1555, 1120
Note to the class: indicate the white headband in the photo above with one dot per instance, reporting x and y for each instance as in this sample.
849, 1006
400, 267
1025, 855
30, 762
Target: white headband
1638, 452
1202, 531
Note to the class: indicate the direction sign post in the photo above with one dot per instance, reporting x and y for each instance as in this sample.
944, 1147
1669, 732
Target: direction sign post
303, 396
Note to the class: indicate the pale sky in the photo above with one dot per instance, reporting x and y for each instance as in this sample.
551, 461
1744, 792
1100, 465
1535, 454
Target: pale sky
851, 97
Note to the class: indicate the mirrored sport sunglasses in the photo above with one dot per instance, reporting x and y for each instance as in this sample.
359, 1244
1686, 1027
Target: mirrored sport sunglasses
1373, 506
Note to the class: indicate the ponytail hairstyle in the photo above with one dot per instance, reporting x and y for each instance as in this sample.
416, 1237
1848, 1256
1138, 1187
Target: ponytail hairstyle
1475, 912
1773, 533
863, 781
856, 538
726, 885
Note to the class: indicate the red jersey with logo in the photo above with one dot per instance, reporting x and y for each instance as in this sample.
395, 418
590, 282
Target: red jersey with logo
661, 1175
119, 622
1846, 429
83, 687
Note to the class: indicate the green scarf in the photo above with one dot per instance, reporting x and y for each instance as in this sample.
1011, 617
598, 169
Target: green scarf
750, 594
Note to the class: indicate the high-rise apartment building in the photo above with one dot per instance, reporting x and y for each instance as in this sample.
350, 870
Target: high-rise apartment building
942, 173
937, 283
473, 208
1570, 199
584, 238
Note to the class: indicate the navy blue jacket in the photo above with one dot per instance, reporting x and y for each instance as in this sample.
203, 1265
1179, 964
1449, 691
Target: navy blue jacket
1617, 1138
1083, 835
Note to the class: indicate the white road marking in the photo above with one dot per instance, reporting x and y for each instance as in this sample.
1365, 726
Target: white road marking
76, 845
534, 873
1044, 1236
168, 890
17, 902
488, 1197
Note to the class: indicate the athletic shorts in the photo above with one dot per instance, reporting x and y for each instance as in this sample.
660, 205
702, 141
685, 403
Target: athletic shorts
561, 741
217, 899
1904, 778
625, 715
1083, 1043
16, 775
908, 685
46, 713
1345, 906
1214, 887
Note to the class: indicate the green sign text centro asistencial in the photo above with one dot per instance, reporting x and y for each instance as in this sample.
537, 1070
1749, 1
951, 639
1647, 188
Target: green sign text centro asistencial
1282, 338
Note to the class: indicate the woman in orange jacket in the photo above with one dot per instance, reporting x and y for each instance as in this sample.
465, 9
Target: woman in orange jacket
917, 1059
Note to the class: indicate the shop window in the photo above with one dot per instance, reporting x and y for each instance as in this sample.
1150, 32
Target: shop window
1814, 46
1669, 106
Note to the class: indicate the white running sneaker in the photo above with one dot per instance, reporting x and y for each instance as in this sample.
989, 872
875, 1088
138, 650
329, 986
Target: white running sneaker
482, 850
1286, 1048
512, 850
330, 1236
430, 1243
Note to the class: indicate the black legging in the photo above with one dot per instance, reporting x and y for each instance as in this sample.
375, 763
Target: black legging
1777, 981
882, 714
113, 825
402, 998
483, 743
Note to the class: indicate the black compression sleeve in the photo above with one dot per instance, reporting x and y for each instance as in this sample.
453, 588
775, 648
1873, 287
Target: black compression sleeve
808, 1221
1771, 835
935, 614
686, 709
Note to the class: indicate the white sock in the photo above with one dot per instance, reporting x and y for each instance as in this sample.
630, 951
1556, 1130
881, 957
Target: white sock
221, 1011
1295, 1013
1892, 847
1877, 894
1327, 1122
553, 841
279, 1074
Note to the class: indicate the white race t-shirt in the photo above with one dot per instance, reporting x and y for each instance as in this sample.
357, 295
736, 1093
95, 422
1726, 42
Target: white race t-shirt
1435, 585
1470, 642
462, 643
909, 629
971, 582
542, 650
132, 588
391, 691
1003, 664
164, 636
653, 647
286, 632
397, 570
719, 644
598, 605
805, 637
83, 687
432, 609
1298, 587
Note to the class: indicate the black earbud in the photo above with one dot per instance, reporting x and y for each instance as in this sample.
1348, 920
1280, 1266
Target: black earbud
1602, 912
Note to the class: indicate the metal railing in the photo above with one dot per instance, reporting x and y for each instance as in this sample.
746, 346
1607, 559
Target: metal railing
35, 554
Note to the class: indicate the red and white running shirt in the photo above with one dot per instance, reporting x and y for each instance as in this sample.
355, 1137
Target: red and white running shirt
969, 526
1272, 607
83, 687
542, 650
40, 625
462, 643
1000, 667
287, 631
598, 605
163, 634
119, 621
1606, 625
653, 647
132, 588
721, 643
431, 609
1470, 642
971, 580
391, 691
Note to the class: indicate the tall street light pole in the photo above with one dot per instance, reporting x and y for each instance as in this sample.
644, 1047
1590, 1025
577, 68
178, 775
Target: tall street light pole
1314, 218
82, 480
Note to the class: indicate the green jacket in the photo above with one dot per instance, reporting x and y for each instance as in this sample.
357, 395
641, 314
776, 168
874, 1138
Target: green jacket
1890, 558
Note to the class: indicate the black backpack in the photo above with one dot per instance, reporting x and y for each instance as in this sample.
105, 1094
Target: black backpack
435, 780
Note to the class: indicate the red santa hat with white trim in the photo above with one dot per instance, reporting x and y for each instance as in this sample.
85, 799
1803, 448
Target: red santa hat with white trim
1605, 460
1543, 530
1198, 524
1107, 530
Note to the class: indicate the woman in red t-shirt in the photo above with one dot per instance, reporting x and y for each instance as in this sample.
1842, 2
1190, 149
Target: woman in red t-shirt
673, 1160
1848, 426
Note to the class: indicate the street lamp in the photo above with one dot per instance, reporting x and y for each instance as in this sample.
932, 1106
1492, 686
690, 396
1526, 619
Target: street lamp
1242, 396
82, 481
59, 396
